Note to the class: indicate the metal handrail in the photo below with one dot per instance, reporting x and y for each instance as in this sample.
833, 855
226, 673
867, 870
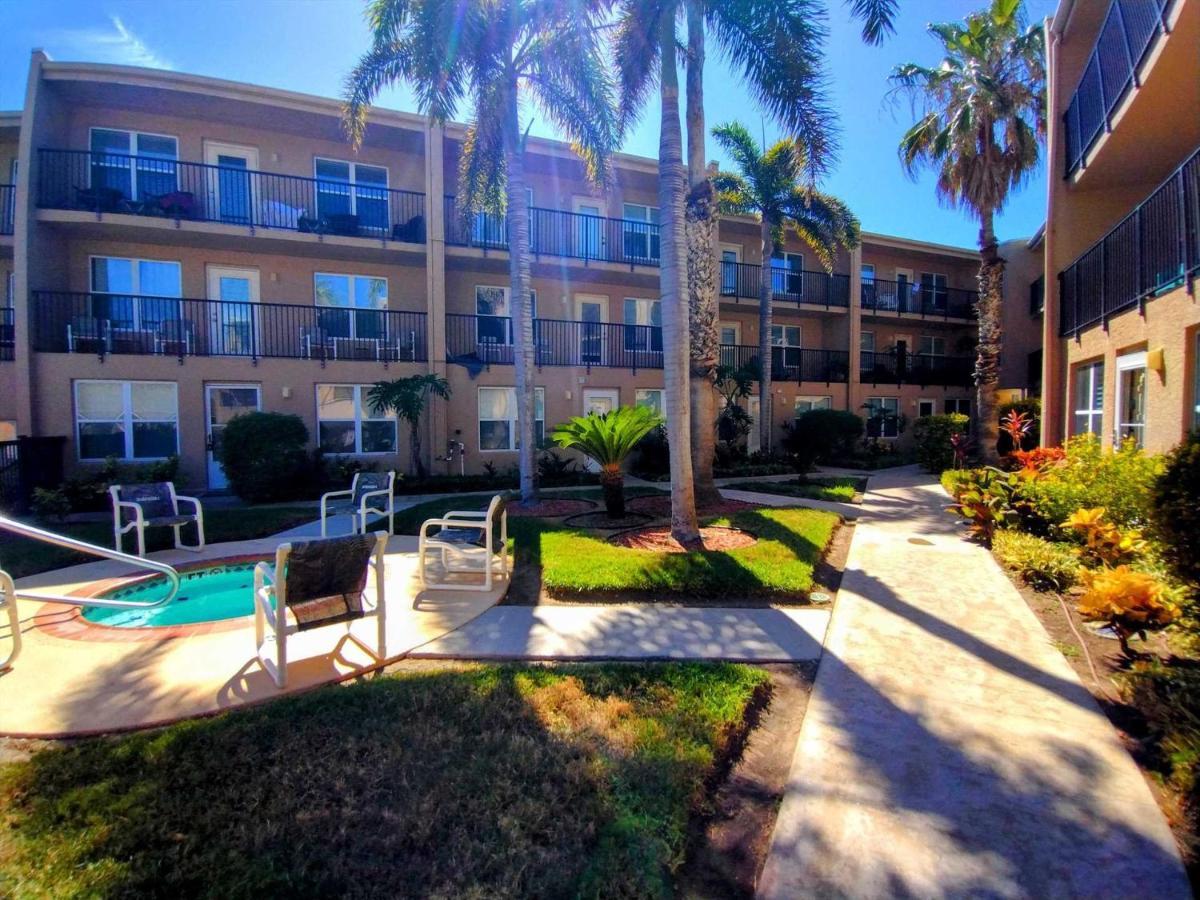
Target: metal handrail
61, 540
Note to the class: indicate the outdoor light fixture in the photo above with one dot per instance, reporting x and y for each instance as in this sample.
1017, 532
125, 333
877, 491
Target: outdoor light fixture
1155, 361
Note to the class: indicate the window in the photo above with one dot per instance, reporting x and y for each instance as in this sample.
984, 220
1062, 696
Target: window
934, 291
346, 188
493, 313
126, 419
925, 408
1037, 296
883, 417
347, 424
640, 229
651, 398
808, 404
124, 292
866, 341
960, 405
1089, 399
787, 273
498, 418
353, 306
932, 346
1131, 398
137, 164
785, 346
731, 334
643, 321
729, 272
868, 285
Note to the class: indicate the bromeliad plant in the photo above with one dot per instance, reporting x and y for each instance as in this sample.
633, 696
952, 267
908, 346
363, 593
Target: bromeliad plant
607, 439
1129, 602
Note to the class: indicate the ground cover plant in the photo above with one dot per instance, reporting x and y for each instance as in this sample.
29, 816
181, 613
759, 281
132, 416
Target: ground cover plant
497, 781
839, 489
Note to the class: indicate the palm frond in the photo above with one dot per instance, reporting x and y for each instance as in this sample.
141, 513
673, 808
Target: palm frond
635, 52
607, 438
878, 18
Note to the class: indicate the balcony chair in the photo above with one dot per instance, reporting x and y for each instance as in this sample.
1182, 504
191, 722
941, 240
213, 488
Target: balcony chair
370, 493
315, 343
89, 330
313, 584
466, 541
412, 231
137, 507
174, 336
99, 199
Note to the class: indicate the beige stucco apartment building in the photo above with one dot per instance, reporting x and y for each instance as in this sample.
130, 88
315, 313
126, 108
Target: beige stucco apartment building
186, 248
1123, 230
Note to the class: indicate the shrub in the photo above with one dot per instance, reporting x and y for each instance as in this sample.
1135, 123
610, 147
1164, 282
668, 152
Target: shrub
1043, 565
1104, 544
653, 458
1129, 602
1039, 459
932, 435
954, 480
88, 490
1176, 516
264, 457
50, 503
822, 435
1121, 481
1031, 407
986, 498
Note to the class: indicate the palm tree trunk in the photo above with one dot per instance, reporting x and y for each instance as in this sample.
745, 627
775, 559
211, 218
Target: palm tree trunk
612, 487
416, 464
701, 225
764, 340
988, 310
673, 290
522, 318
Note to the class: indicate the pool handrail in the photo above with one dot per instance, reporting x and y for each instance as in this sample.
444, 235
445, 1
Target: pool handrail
61, 540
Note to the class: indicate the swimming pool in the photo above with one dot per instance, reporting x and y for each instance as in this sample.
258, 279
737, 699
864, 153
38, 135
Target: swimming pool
206, 594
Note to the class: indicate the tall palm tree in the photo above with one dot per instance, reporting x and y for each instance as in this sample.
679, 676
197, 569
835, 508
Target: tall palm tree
492, 55
407, 398
982, 120
771, 184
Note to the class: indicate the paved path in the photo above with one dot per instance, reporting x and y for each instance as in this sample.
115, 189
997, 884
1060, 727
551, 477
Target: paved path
948, 748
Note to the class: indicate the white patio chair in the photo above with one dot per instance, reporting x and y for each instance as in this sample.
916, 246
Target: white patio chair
370, 493
8, 605
466, 542
137, 507
313, 584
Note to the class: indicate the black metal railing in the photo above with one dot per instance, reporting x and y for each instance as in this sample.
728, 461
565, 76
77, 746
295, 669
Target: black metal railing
8, 207
482, 341
152, 186
1112, 70
789, 364
556, 232
102, 324
901, 367
879, 295
1037, 296
8, 341
801, 287
1152, 250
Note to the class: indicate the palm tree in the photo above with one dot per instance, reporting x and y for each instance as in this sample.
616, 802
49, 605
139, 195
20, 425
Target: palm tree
771, 184
982, 119
607, 439
406, 398
493, 54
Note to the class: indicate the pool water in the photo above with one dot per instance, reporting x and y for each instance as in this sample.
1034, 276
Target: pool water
208, 594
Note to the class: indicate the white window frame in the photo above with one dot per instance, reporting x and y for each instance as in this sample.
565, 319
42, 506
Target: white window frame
867, 273
513, 437
779, 336
935, 290
932, 406
352, 310
640, 398
787, 273
353, 185
866, 334
826, 401
737, 331
133, 134
647, 215
136, 294
891, 403
126, 420
935, 340
954, 405
361, 415
643, 337
508, 317
1130, 362
1094, 415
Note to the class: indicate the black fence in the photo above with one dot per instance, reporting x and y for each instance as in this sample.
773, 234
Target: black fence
153, 186
123, 324
8, 207
900, 367
8, 341
1128, 31
792, 363
801, 287
482, 341
26, 464
879, 295
1154, 249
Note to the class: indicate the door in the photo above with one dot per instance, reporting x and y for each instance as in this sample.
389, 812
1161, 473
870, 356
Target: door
230, 197
591, 313
730, 257
753, 407
1131, 399
233, 325
905, 302
902, 348
221, 403
589, 228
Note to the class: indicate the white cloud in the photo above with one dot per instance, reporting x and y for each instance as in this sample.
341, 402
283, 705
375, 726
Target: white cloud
115, 44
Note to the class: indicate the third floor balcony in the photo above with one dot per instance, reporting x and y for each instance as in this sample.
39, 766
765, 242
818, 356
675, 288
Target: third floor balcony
931, 300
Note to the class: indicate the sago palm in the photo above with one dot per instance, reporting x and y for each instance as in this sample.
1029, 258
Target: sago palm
407, 398
771, 184
607, 440
982, 119
490, 56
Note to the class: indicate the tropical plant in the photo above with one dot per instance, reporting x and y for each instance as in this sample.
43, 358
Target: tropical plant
822, 435
962, 445
1129, 602
1043, 565
607, 439
1016, 426
933, 436
1121, 480
987, 498
1038, 459
407, 397
1031, 407
733, 383
1104, 544
1177, 509
771, 183
490, 56
982, 118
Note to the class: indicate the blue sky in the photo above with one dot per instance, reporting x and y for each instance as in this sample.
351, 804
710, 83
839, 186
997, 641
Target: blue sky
309, 45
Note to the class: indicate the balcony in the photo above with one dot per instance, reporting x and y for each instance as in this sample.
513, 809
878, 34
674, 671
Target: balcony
8, 207
899, 367
172, 189
479, 342
740, 280
7, 334
880, 296
1111, 72
1153, 250
141, 325
792, 364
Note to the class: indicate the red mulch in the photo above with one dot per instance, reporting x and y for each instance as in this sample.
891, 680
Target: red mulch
549, 508
661, 506
659, 539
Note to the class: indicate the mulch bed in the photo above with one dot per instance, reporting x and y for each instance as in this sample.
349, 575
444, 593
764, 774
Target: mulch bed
660, 506
659, 540
603, 521
549, 509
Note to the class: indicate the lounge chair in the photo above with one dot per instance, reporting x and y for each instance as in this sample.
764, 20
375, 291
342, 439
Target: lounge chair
370, 493
137, 507
468, 541
313, 584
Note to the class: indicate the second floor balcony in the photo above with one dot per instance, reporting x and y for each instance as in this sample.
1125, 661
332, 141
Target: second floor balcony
8, 207
174, 189
901, 367
937, 301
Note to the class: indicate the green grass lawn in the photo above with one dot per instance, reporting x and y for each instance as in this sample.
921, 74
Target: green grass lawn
839, 489
483, 781
21, 556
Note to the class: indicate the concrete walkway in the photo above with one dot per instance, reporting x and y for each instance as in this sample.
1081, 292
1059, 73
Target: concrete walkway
949, 749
